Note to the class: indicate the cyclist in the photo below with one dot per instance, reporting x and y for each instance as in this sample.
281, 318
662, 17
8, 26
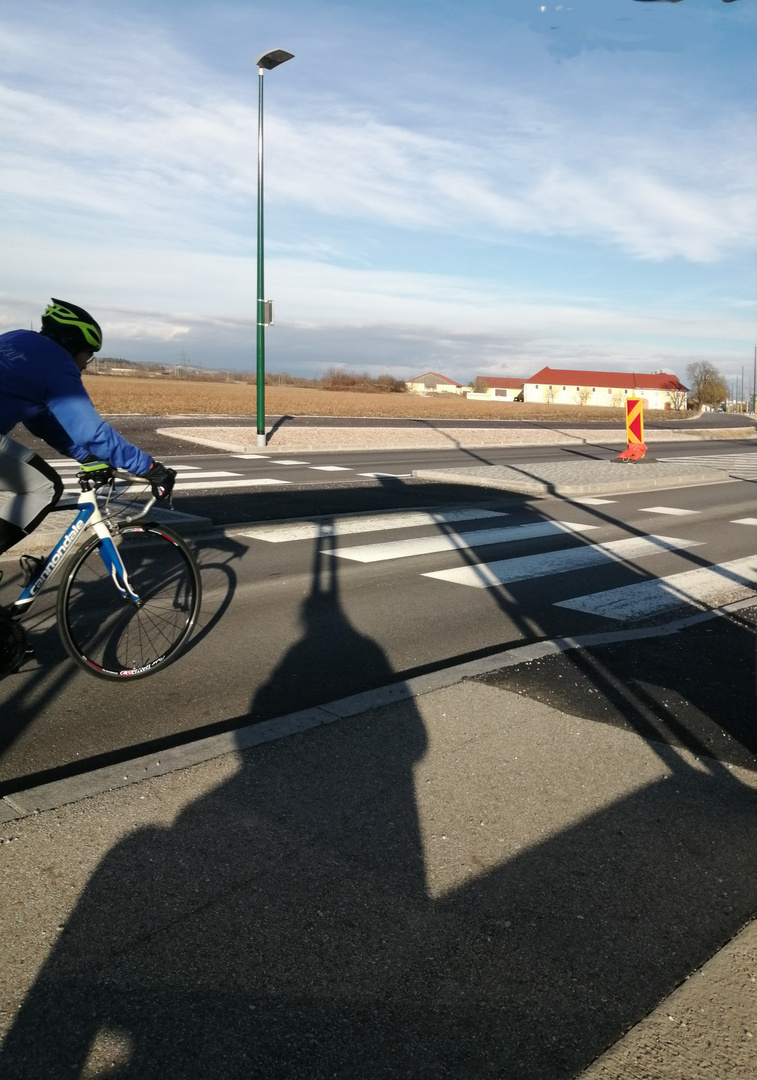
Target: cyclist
41, 387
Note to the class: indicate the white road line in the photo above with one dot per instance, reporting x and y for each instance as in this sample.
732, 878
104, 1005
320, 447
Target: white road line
364, 523
741, 465
329, 468
673, 511
463, 541
282, 461
392, 475
487, 575
744, 521
251, 457
247, 482
208, 475
591, 500
710, 586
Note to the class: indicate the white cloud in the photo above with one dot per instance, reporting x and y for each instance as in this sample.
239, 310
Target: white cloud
165, 148
129, 185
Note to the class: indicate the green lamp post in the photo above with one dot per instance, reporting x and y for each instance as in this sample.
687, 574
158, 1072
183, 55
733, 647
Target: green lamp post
265, 62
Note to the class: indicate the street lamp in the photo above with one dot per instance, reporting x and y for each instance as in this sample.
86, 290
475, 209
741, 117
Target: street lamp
265, 62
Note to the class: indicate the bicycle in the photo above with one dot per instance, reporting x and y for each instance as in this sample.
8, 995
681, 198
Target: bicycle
131, 597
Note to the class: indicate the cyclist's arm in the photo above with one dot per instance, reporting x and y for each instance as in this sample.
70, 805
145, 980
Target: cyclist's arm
70, 405
47, 428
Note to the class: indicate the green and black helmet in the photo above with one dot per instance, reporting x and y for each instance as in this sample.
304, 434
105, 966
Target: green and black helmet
72, 327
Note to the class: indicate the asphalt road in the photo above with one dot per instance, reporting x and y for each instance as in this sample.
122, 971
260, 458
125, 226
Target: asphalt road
230, 488
290, 621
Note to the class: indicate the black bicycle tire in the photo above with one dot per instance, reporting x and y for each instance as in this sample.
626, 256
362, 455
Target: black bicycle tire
177, 648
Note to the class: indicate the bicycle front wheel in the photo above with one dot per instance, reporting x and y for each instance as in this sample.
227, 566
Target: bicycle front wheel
116, 637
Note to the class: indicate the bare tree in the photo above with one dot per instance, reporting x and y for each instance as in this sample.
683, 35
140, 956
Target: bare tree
617, 398
708, 387
582, 396
676, 395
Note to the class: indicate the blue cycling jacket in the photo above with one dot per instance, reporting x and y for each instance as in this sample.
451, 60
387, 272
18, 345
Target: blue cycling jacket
41, 388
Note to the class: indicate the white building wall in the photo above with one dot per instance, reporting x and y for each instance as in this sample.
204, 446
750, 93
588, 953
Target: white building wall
595, 396
440, 388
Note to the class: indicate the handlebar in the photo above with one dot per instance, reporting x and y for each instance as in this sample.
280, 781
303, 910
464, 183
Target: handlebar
108, 476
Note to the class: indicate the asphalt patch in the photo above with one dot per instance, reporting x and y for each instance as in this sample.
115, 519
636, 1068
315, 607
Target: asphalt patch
695, 689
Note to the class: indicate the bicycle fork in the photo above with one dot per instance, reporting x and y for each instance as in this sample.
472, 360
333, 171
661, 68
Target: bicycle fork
111, 556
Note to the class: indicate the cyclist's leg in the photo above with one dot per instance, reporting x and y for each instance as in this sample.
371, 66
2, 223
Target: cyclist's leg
35, 488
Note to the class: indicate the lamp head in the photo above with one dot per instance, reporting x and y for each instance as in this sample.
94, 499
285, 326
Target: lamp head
273, 58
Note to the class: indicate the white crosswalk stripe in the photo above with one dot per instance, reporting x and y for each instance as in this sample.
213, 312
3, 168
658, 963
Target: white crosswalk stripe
709, 586
671, 511
456, 541
391, 475
286, 532
198, 484
487, 575
743, 466
329, 468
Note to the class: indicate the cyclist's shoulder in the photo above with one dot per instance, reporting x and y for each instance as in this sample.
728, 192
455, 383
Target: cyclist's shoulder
23, 346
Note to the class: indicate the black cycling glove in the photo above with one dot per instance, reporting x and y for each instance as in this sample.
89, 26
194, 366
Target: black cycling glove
161, 479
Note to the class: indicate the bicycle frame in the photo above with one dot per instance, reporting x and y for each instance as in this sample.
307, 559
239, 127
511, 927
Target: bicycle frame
89, 517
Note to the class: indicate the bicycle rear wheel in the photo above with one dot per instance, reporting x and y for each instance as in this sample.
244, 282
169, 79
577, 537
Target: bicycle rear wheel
116, 638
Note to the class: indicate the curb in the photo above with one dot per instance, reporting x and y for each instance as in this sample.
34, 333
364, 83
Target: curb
58, 793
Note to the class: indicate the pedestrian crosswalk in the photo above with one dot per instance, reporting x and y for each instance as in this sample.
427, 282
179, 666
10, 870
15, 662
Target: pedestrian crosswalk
566, 550
742, 466
465, 534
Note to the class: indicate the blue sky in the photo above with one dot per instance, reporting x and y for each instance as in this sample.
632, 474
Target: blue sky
478, 188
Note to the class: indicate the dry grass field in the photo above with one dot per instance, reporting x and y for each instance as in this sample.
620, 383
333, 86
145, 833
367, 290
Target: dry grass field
115, 395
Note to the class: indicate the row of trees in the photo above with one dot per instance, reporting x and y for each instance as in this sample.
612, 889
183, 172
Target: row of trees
334, 379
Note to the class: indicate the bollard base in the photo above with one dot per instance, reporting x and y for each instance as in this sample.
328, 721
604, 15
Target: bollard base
261, 439
634, 452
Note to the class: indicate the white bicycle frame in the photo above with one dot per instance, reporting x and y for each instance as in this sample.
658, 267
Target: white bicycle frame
89, 517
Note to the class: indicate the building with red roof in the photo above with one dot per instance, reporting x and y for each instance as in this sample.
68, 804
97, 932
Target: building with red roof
574, 386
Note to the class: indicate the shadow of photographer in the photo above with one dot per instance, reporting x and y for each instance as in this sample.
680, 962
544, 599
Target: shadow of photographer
288, 922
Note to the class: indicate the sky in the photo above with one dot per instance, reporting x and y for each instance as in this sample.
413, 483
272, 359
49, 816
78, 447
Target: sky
474, 189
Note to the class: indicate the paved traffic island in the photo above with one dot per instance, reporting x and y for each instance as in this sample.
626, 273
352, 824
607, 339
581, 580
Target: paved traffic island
242, 439
576, 478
